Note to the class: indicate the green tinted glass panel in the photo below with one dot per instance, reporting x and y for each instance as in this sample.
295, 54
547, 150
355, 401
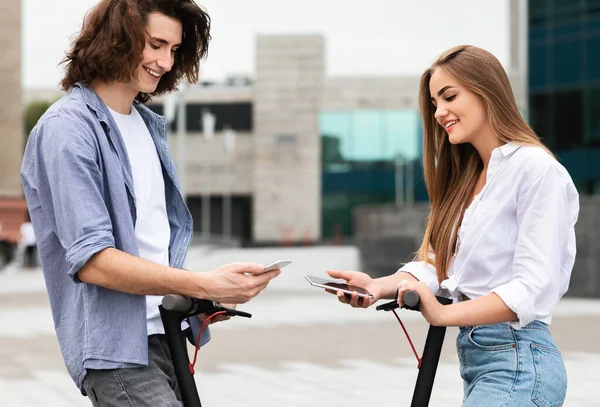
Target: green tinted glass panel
368, 137
404, 134
359, 148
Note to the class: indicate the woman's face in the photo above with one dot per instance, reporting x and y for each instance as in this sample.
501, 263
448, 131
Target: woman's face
458, 110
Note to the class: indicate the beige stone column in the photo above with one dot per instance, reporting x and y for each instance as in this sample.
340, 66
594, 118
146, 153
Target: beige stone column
11, 109
287, 164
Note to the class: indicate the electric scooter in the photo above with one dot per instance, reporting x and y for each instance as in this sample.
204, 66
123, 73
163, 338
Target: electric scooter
176, 308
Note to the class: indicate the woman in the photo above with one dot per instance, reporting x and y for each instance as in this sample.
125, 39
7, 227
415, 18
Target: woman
500, 236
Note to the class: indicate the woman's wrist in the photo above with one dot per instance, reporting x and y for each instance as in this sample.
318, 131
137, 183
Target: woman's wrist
389, 284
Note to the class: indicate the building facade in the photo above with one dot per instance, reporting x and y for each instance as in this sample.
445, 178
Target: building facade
564, 84
564, 100
308, 148
11, 123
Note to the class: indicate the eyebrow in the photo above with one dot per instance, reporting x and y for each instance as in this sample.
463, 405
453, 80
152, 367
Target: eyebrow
163, 41
441, 91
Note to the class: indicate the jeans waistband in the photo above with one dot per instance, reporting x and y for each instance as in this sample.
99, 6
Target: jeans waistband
532, 325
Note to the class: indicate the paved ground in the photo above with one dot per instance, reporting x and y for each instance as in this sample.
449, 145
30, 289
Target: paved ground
301, 347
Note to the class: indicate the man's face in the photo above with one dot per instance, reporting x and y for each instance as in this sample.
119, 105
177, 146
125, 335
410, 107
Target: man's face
163, 38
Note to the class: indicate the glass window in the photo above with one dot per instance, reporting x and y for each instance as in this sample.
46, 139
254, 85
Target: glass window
538, 12
335, 219
335, 131
592, 116
368, 137
567, 27
566, 20
537, 34
596, 187
593, 25
568, 119
567, 62
565, 6
538, 66
358, 153
403, 134
593, 57
593, 8
539, 113
338, 207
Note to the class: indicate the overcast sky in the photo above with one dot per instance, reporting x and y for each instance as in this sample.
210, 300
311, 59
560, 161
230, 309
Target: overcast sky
375, 37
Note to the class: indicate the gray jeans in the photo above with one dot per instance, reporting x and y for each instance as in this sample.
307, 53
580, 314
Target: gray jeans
153, 385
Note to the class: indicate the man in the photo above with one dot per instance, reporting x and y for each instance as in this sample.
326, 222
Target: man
109, 217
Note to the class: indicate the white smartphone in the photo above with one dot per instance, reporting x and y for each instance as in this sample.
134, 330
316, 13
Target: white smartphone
277, 264
332, 285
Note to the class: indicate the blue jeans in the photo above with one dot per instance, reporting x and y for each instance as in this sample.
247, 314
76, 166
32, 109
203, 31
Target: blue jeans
504, 367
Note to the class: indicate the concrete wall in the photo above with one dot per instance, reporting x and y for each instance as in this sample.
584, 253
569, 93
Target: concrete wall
11, 108
287, 143
585, 281
234, 175
388, 236
347, 93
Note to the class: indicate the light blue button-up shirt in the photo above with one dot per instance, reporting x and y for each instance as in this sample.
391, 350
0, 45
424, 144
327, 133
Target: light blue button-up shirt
79, 190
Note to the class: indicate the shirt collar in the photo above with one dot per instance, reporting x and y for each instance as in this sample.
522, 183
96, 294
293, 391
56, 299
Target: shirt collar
508, 148
499, 154
91, 98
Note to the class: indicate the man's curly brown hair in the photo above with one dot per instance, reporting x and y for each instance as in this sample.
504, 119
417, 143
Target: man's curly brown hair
110, 44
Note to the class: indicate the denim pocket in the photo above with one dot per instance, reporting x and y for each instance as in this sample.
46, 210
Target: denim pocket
87, 386
493, 337
550, 388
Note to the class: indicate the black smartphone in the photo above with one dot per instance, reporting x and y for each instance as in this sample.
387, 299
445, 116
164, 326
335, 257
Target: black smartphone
336, 286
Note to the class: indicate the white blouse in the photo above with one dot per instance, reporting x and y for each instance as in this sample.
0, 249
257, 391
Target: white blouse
517, 238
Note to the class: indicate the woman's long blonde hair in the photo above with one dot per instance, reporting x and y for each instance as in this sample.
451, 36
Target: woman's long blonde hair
451, 171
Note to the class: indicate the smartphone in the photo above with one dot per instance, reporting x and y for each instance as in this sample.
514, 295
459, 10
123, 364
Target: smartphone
336, 286
277, 264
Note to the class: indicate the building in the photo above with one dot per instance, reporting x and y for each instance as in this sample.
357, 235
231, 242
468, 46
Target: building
308, 148
11, 126
564, 84
12, 206
564, 105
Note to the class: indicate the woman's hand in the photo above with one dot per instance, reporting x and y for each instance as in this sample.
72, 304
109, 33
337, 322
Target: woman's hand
432, 310
357, 279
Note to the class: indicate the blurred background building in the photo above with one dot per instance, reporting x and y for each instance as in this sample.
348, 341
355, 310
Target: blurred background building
12, 206
564, 101
297, 156
308, 148
11, 111
564, 84
555, 49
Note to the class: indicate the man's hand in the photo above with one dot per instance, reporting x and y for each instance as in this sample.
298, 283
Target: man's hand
218, 318
235, 283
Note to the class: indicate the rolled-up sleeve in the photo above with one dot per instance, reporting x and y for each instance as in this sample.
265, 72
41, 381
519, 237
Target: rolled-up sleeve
69, 185
195, 326
423, 271
547, 210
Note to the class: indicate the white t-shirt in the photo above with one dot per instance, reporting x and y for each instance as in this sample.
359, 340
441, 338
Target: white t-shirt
152, 229
517, 238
